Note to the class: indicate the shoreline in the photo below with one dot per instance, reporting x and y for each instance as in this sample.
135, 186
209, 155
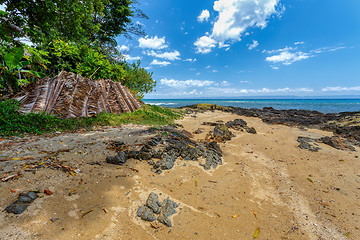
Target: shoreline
321, 105
263, 182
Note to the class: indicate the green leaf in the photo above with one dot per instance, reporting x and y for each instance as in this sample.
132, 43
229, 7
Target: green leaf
347, 234
38, 74
22, 64
13, 58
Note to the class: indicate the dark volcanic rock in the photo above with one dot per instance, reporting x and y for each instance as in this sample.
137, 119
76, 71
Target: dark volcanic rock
212, 160
146, 214
305, 143
153, 203
166, 163
119, 159
221, 133
199, 130
250, 130
237, 124
171, 144
153, 206
337, 143
240, 125
167, 209
20, 205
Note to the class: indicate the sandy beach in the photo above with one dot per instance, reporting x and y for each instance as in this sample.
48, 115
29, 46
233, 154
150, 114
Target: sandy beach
266, 186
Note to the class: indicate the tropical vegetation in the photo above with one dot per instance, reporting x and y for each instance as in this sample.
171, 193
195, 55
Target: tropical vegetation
75, 36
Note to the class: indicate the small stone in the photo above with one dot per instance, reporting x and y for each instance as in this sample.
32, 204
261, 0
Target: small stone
153, 202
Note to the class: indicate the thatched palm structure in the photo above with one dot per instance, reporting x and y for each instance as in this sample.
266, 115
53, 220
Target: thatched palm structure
70, 95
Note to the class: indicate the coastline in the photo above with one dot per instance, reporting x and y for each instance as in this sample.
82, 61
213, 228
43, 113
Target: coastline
324, 105
266, 181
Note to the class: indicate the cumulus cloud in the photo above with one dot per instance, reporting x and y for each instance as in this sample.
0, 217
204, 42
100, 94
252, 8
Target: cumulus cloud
205, 44
165, 55
204, 16
235, 18
340, 89
190, 60
186, 83
163, 63
288, 58
253, 45
123, 48
127, 57
153, 42
223, 83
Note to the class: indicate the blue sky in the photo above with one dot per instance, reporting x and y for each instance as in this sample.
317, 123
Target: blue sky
239, 48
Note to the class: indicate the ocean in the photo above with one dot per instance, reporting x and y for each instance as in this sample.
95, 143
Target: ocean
321, 105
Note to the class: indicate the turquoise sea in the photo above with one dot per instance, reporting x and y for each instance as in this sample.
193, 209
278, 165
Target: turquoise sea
321, 105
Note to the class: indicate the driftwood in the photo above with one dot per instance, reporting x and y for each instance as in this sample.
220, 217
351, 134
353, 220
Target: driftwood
70, 95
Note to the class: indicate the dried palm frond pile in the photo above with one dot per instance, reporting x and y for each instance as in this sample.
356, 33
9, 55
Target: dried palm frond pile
70, 95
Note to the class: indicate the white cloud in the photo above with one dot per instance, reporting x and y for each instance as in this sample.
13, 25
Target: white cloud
287, 58
289, 55
163, 63
204, 16
205, 44
123, 48
127, 57
230, 91
327, 49
208, 66
165, 55
190, 60
235, 18
186, 83
340, 89
223, 83
253, 45
153, 42
279, 50
279, 90
214, 71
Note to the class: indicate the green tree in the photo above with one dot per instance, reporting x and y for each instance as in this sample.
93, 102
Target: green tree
73, 35
73, 20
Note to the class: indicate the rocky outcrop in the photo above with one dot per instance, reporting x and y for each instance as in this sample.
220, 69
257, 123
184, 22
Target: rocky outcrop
153, 207
169, 146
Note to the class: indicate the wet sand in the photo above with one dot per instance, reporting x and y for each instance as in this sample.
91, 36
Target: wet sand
265, 182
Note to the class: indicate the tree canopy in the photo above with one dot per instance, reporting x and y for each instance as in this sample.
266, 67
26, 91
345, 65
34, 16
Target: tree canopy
73, 20
71, 35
